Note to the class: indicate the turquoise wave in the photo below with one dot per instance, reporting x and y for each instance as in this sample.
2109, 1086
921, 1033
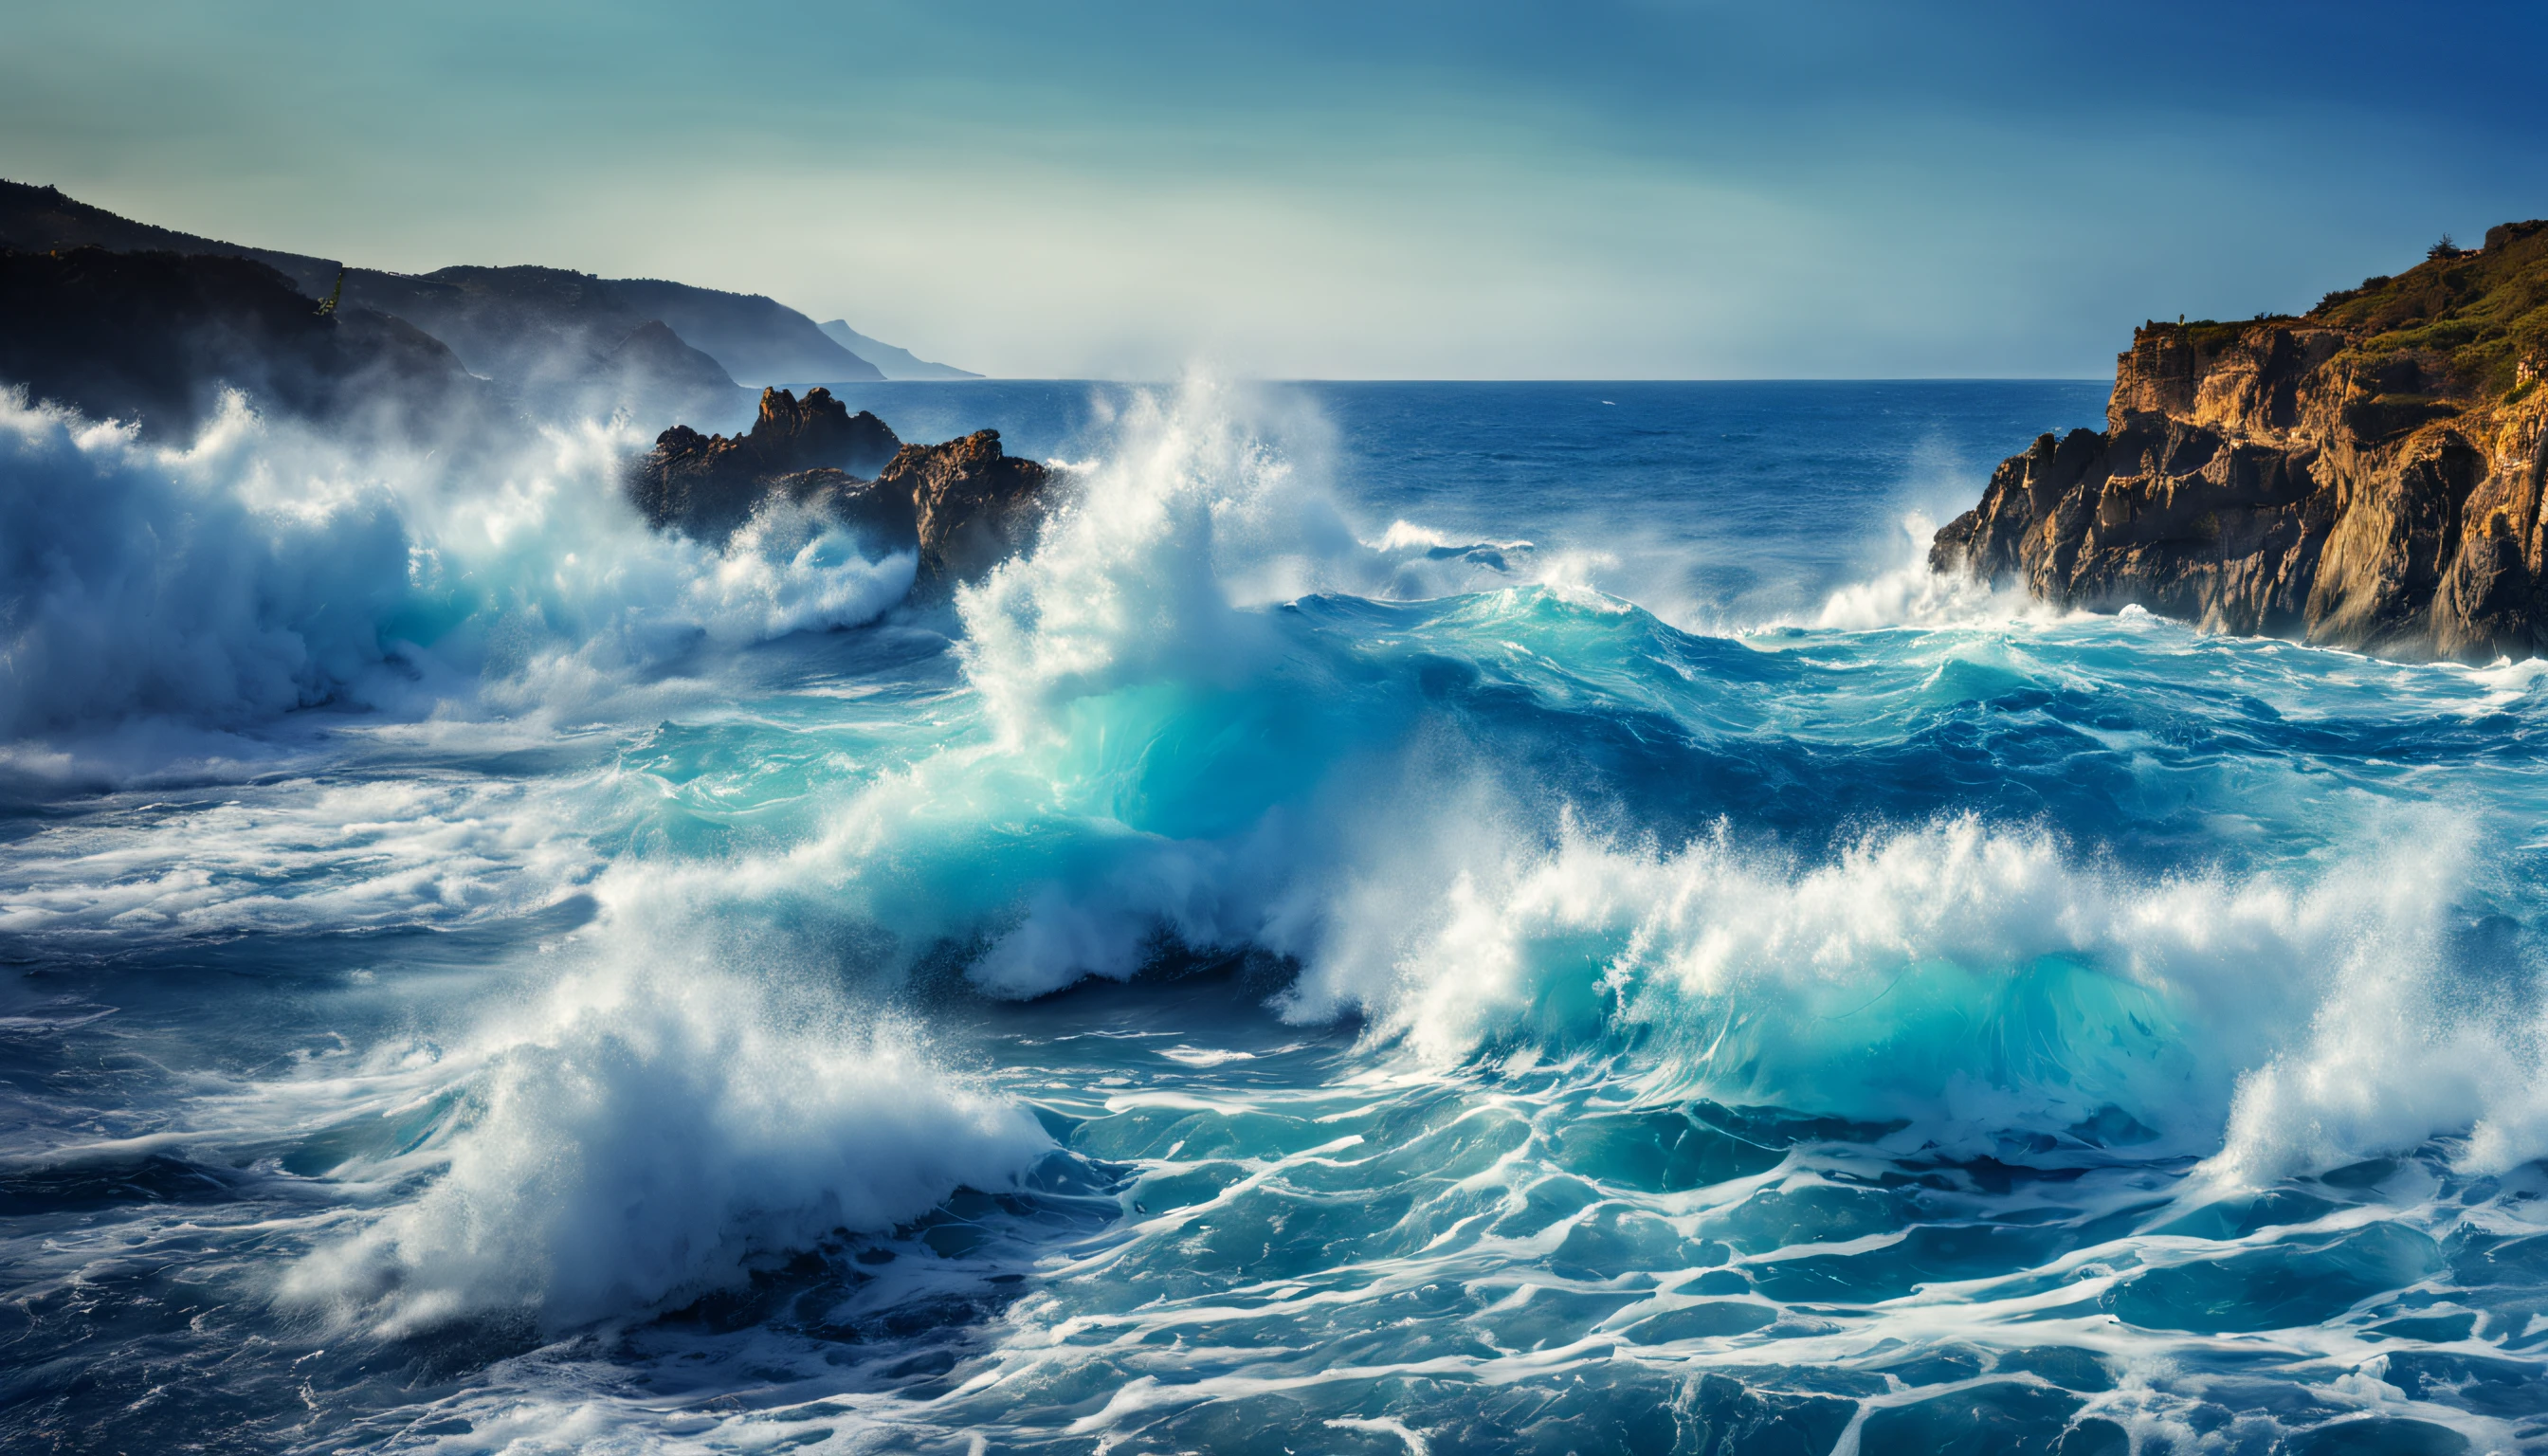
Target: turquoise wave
1244, 980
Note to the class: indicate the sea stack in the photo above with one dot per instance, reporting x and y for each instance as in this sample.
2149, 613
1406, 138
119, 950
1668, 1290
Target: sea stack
2366, 476
707, 484
964, 506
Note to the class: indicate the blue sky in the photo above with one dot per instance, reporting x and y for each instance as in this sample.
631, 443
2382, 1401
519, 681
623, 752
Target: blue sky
1610, 188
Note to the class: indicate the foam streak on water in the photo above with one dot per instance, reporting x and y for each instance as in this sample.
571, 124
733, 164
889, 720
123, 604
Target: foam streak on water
1418, 918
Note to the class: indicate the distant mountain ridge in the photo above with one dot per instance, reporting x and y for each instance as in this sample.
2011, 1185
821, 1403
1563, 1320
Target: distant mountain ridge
894, 362
155, 338
524, 321
554, 340
44, 219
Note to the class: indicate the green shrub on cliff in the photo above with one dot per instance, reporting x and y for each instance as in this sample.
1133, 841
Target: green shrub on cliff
2458, 325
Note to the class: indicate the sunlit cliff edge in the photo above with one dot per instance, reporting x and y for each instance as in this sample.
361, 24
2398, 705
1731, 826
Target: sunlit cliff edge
2366, 476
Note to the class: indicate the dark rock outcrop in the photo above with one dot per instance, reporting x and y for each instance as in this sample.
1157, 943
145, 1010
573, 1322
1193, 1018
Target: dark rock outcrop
2368, 476
972, 505
963, 505
155, 338
709, 485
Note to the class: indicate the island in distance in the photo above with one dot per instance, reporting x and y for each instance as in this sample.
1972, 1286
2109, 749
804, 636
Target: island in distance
2365, 476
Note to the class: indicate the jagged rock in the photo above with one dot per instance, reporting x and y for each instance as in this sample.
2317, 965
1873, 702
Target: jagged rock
884, 514
707, 484
963, 505
154, 337
972, 505
2368, 476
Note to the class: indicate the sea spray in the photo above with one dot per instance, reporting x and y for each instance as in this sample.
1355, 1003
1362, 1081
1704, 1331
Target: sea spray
1327, 989
262, 569
645, 1129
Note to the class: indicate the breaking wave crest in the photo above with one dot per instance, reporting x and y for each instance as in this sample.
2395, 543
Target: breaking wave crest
1270, 981
638, 1133
263, 568
1453, 819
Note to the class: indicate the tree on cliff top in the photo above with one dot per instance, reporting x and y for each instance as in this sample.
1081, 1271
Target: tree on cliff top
2467, 319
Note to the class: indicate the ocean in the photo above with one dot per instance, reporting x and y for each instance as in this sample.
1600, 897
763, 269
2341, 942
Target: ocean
1422, 918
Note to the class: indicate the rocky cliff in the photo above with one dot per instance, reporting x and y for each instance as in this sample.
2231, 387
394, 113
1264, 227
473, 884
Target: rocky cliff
38, 220
154, 338
2366, 476
557, 342
972, 505
963, 505
709, 485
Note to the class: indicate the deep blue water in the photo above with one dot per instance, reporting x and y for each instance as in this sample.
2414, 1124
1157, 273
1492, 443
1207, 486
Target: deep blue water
1426, 918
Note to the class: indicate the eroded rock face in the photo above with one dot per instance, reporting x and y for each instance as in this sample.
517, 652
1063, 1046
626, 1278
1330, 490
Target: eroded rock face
2367, 476
709, 485
974, 505
964, 506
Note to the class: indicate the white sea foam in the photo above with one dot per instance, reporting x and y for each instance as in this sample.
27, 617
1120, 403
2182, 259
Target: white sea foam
642, 1131
262, 568
296, 855
1964, 975
1909, 592
605, 1125
1965, 978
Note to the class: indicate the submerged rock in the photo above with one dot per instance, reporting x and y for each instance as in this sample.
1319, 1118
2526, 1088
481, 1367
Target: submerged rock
2368, 476
963, 505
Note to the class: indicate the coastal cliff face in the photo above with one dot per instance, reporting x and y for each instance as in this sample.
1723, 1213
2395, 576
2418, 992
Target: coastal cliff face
963, 505
557, 344
155, 338
37, 219
2368, 476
